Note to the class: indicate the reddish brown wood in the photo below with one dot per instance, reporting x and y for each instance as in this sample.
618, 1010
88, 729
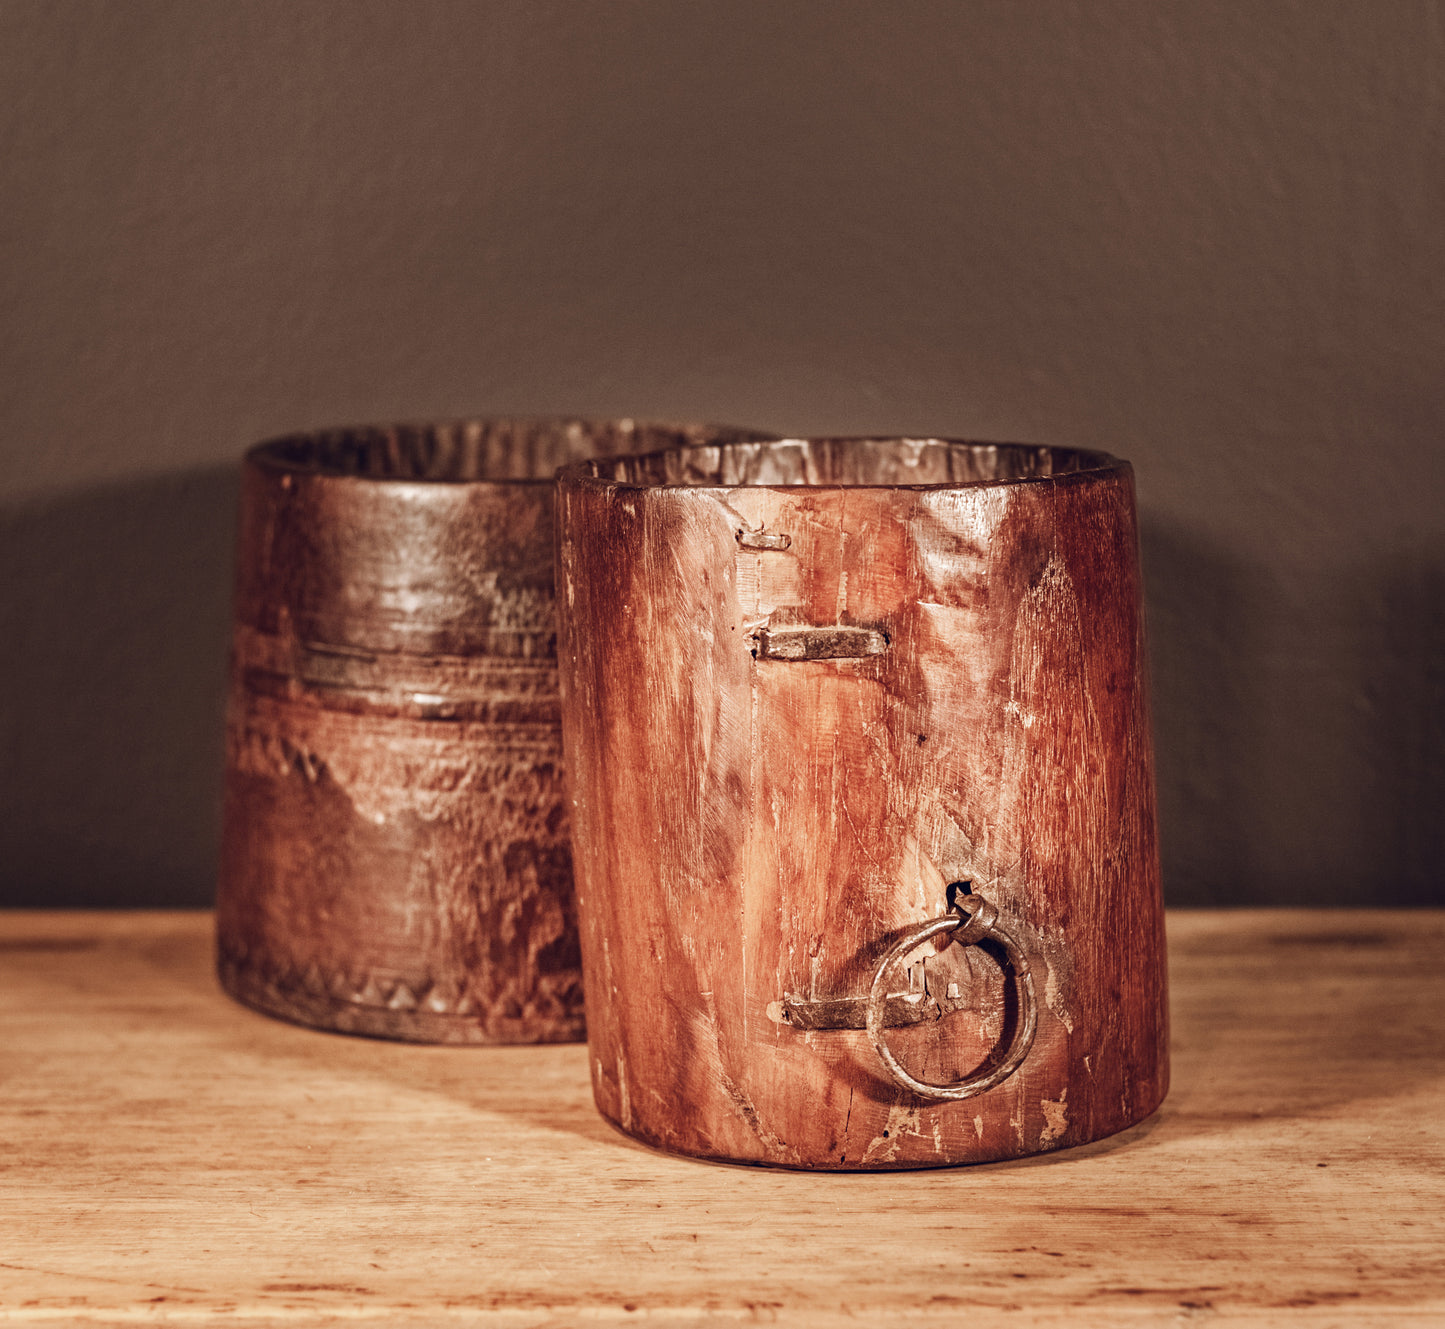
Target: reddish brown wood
752, 830
395, 853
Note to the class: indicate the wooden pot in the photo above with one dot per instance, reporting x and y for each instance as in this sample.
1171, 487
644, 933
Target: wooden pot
395, 852
863, 799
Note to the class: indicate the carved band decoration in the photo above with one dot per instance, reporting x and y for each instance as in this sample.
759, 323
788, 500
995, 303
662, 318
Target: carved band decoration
396, 852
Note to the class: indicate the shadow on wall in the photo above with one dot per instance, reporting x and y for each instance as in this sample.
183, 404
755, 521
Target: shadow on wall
114, 619
1203, 626
1299, 726
1400, 613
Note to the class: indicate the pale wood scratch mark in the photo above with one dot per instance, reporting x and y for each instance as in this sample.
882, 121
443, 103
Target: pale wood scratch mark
1056, 1118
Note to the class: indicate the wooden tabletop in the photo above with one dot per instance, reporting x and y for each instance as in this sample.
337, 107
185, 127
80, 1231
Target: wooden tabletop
171, 1157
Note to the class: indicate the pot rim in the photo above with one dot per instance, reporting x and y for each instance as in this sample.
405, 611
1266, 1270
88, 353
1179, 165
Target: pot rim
278, 456
1093, 465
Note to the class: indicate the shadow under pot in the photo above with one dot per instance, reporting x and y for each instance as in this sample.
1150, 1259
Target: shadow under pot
395, 856
863, 799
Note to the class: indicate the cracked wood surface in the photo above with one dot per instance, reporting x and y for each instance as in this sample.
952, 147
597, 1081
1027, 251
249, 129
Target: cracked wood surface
958, 694
171, 1157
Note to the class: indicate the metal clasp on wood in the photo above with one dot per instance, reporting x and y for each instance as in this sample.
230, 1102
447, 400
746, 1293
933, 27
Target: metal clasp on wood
833, 641
764, 539
972, 919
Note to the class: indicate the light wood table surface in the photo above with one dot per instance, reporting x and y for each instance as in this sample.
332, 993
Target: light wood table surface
167, 1156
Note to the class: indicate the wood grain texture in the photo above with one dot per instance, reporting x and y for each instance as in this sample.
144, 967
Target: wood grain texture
395, 855
753, 825
169, 1157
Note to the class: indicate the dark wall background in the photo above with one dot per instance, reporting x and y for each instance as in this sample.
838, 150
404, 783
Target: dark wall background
1206, 237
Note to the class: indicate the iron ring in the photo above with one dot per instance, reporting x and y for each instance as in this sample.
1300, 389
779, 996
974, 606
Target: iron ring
973, 925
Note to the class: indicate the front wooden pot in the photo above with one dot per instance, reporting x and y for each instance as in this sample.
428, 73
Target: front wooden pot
816, 696
395, 856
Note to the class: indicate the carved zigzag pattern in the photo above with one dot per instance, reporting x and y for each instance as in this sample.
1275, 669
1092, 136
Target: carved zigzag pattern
377, 991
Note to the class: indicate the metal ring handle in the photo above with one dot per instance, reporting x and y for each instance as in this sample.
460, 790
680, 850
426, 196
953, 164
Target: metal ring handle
968, 928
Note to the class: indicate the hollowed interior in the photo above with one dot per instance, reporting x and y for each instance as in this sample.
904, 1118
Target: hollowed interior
459, 451
846, 461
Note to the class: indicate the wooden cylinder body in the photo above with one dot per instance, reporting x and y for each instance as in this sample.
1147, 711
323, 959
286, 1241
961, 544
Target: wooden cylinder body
753, 829
395, 856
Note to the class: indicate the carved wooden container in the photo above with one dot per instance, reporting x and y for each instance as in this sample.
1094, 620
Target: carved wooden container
395, 850
863, 799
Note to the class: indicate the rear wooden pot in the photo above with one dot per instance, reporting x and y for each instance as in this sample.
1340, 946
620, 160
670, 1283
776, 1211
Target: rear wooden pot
395, 852
863, 799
